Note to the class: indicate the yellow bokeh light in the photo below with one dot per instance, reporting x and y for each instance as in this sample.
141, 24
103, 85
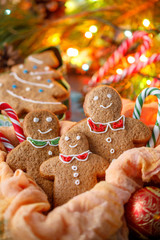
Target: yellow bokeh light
119, 71
88, 34
85, 67
146, 22
148, 82
53, 39
70, 5
93, 29
143, 58
131, 59
128, 33
72, 52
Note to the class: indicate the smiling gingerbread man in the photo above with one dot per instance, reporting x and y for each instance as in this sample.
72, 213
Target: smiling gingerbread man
42, 131
75, 170
109, 133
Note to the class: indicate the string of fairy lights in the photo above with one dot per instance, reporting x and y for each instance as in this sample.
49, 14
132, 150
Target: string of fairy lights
75, 56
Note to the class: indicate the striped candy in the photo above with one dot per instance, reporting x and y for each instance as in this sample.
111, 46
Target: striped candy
134, 68
14, 119
120, 52
6, 142
138, 108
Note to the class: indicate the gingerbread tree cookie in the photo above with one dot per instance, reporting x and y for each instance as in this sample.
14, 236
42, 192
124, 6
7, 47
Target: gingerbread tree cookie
109, 133
75, 170
44, 58
42, 131
33, 85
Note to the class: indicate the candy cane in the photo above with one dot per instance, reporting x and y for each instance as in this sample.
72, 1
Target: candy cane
138, 108
120, 52
6, 142
14, 119
134, 68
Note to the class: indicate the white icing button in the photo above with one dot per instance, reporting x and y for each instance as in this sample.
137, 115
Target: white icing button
21, 66
108, 139
1, 84
46, 68
38, 77
49, 119
112, 150
75, 174
31, 73
66, 138
35, 120
95, 98
74, 168
109, 95
50, 153
77, 182
28, 89
78, 137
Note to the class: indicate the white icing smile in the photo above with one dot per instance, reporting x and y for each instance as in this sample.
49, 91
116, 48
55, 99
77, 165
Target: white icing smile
45, 131
106, 106
73, 146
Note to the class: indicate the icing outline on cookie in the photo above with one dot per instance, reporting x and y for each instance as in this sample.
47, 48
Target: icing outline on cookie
35, 60
106, 125
29, 100
30, 83
70, 158
41, 73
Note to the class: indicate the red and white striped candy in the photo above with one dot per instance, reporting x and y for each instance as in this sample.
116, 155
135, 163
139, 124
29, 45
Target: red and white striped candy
134, 68
14, 119
6, 142
120, 52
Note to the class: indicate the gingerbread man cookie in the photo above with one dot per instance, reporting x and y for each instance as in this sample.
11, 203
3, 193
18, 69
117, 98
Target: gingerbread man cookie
109, 134
42, 131
75, 170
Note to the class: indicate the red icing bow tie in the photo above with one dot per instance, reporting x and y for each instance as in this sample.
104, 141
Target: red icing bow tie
80, 157
103, 127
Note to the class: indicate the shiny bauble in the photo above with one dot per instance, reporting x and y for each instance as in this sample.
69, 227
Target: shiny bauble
142, 212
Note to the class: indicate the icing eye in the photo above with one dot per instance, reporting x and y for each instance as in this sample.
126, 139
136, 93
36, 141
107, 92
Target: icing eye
49, 119
109, 95
95, 98
66, 138
78, 137
35, 120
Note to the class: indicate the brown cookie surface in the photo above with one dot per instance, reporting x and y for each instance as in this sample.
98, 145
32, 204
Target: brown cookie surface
109, 133
42, 131
76, 170
44, 58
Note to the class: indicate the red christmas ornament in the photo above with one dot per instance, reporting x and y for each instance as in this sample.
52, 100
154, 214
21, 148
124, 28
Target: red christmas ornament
143, 212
